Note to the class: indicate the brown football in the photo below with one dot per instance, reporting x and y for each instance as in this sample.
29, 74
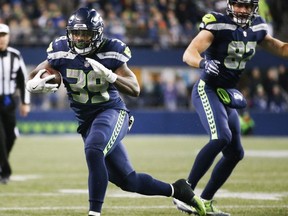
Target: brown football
56, 80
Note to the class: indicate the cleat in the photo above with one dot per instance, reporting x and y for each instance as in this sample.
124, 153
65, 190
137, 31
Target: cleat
184, 207
4, 180
211, 210
184, 193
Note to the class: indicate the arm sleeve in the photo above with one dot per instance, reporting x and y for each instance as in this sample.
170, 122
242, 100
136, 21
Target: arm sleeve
22, 77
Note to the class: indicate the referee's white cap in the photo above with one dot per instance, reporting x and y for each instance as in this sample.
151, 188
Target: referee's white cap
4, 28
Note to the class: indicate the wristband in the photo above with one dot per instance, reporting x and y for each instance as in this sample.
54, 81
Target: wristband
202, 63
111, 78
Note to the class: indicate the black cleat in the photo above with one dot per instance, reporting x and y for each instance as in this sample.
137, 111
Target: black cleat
184, 193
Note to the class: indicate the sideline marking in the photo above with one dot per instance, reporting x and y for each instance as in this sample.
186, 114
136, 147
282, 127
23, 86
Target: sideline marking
220, 194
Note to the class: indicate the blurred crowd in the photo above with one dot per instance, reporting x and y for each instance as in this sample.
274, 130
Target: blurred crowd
156, 23
266, 90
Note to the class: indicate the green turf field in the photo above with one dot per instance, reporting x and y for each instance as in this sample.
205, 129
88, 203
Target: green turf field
50, 177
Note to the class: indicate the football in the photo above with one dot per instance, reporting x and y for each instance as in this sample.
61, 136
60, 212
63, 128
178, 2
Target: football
56, 80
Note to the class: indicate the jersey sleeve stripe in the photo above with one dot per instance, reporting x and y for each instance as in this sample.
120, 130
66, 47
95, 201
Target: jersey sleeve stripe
260, 27
61, 54
113, 55
218, 26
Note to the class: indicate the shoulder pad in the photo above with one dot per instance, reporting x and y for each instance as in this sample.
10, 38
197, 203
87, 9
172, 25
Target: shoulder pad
127, 51
59, 43
208, 18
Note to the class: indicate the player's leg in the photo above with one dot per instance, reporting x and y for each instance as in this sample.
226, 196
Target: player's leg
214, 119
232, 154
10, 125
124, 176
8, 136
107, 129
3, 151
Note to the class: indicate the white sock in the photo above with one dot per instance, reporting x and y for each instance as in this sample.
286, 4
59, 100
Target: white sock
92, 213
172, 194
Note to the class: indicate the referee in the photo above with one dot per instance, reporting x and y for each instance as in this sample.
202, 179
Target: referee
12, 77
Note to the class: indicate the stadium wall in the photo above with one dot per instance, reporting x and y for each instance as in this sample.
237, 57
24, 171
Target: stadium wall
149, 122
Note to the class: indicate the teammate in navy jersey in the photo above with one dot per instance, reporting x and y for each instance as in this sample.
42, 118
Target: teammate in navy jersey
225, 43
94, 71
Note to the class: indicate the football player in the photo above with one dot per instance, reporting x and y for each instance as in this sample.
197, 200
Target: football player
94, 70
225, 43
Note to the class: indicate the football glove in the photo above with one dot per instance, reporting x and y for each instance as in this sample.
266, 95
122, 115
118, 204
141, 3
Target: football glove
210, 66
102, 70
39, 85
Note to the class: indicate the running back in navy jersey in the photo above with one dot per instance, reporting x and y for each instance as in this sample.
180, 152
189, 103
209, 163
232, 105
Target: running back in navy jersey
233, 46
95, 71
87, 92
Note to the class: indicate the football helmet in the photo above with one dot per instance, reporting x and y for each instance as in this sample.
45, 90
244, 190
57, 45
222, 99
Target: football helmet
84, 31
242, 19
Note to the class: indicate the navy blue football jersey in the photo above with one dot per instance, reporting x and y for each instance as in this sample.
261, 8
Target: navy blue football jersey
233, 46
88, 92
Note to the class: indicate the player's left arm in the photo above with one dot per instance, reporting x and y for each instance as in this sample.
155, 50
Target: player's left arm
126, 81
122, 78
275, 46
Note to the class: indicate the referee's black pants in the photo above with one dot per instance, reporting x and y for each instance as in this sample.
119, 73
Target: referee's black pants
7, 139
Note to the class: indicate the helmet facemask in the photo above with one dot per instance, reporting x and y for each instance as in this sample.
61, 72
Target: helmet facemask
242, 18
84, 41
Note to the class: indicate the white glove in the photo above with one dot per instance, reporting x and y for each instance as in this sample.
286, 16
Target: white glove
102, 70
39, 85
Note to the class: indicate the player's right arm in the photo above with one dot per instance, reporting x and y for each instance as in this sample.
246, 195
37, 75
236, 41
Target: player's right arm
36, 84
192, 55
40, 66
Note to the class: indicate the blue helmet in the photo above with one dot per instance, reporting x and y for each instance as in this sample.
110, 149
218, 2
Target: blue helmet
84, 31
242, 19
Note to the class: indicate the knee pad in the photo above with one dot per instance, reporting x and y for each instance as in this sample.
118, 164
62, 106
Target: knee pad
96, 140
235, 155
217, 145
225, 136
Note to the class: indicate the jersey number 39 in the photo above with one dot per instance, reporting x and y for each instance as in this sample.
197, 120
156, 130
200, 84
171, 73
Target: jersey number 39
88, 85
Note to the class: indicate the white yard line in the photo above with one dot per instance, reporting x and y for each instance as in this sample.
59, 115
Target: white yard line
123, 194
267, 153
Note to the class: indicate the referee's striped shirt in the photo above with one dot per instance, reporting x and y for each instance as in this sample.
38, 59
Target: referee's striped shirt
13, 74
